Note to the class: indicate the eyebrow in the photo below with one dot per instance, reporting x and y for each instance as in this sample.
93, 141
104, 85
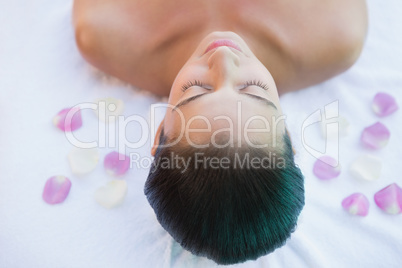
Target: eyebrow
193, 98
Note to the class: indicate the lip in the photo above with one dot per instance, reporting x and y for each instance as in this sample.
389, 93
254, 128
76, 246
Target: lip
222, 43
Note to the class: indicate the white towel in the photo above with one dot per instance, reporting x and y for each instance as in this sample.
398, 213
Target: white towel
42, 72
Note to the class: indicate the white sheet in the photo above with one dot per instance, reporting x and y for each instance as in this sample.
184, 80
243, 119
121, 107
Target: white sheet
42, 72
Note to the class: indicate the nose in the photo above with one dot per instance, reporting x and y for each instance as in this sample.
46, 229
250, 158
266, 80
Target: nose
224, 66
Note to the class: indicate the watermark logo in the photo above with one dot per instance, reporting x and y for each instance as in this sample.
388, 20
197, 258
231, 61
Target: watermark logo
112, 131
200, 160
330, 130
117, 124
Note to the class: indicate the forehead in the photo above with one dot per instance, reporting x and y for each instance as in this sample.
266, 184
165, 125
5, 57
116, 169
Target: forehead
235, 117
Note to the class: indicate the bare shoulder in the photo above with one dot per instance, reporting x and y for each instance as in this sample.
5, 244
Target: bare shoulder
120, 37
111, 36
337, 30
328, 38
97, 24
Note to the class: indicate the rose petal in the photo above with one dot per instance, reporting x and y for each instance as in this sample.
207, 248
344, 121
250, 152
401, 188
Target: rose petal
83, 161
384, 104
116, 164
375, 136
56, 189
112, 194
68, 119
389, 199
356, 204
326, 168
333, 133
109, 109
366, 167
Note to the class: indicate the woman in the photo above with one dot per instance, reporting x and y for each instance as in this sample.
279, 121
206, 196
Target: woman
223, 183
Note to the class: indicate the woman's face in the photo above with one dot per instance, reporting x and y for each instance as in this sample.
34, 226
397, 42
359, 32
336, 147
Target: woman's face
223, 90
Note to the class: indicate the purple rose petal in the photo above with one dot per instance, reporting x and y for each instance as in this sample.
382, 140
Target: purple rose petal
375, 136
56, 189
389, 199
384, 104
68, 119
326, 168
356, 204
116, 164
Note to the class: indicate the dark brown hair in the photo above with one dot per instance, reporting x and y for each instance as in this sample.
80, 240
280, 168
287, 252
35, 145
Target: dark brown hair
229, 214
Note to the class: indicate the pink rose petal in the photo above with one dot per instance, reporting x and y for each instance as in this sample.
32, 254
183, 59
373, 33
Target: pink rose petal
326, 168
56, 189
116, 164
375, 136
356, 204
389, 199
68, 119
384, 104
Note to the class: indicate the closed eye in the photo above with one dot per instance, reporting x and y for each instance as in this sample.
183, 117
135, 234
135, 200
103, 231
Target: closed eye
248, 83
257, 83
191, 84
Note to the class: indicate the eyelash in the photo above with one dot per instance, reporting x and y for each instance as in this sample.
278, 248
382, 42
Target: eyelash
257, 83
191, 83
248, 83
